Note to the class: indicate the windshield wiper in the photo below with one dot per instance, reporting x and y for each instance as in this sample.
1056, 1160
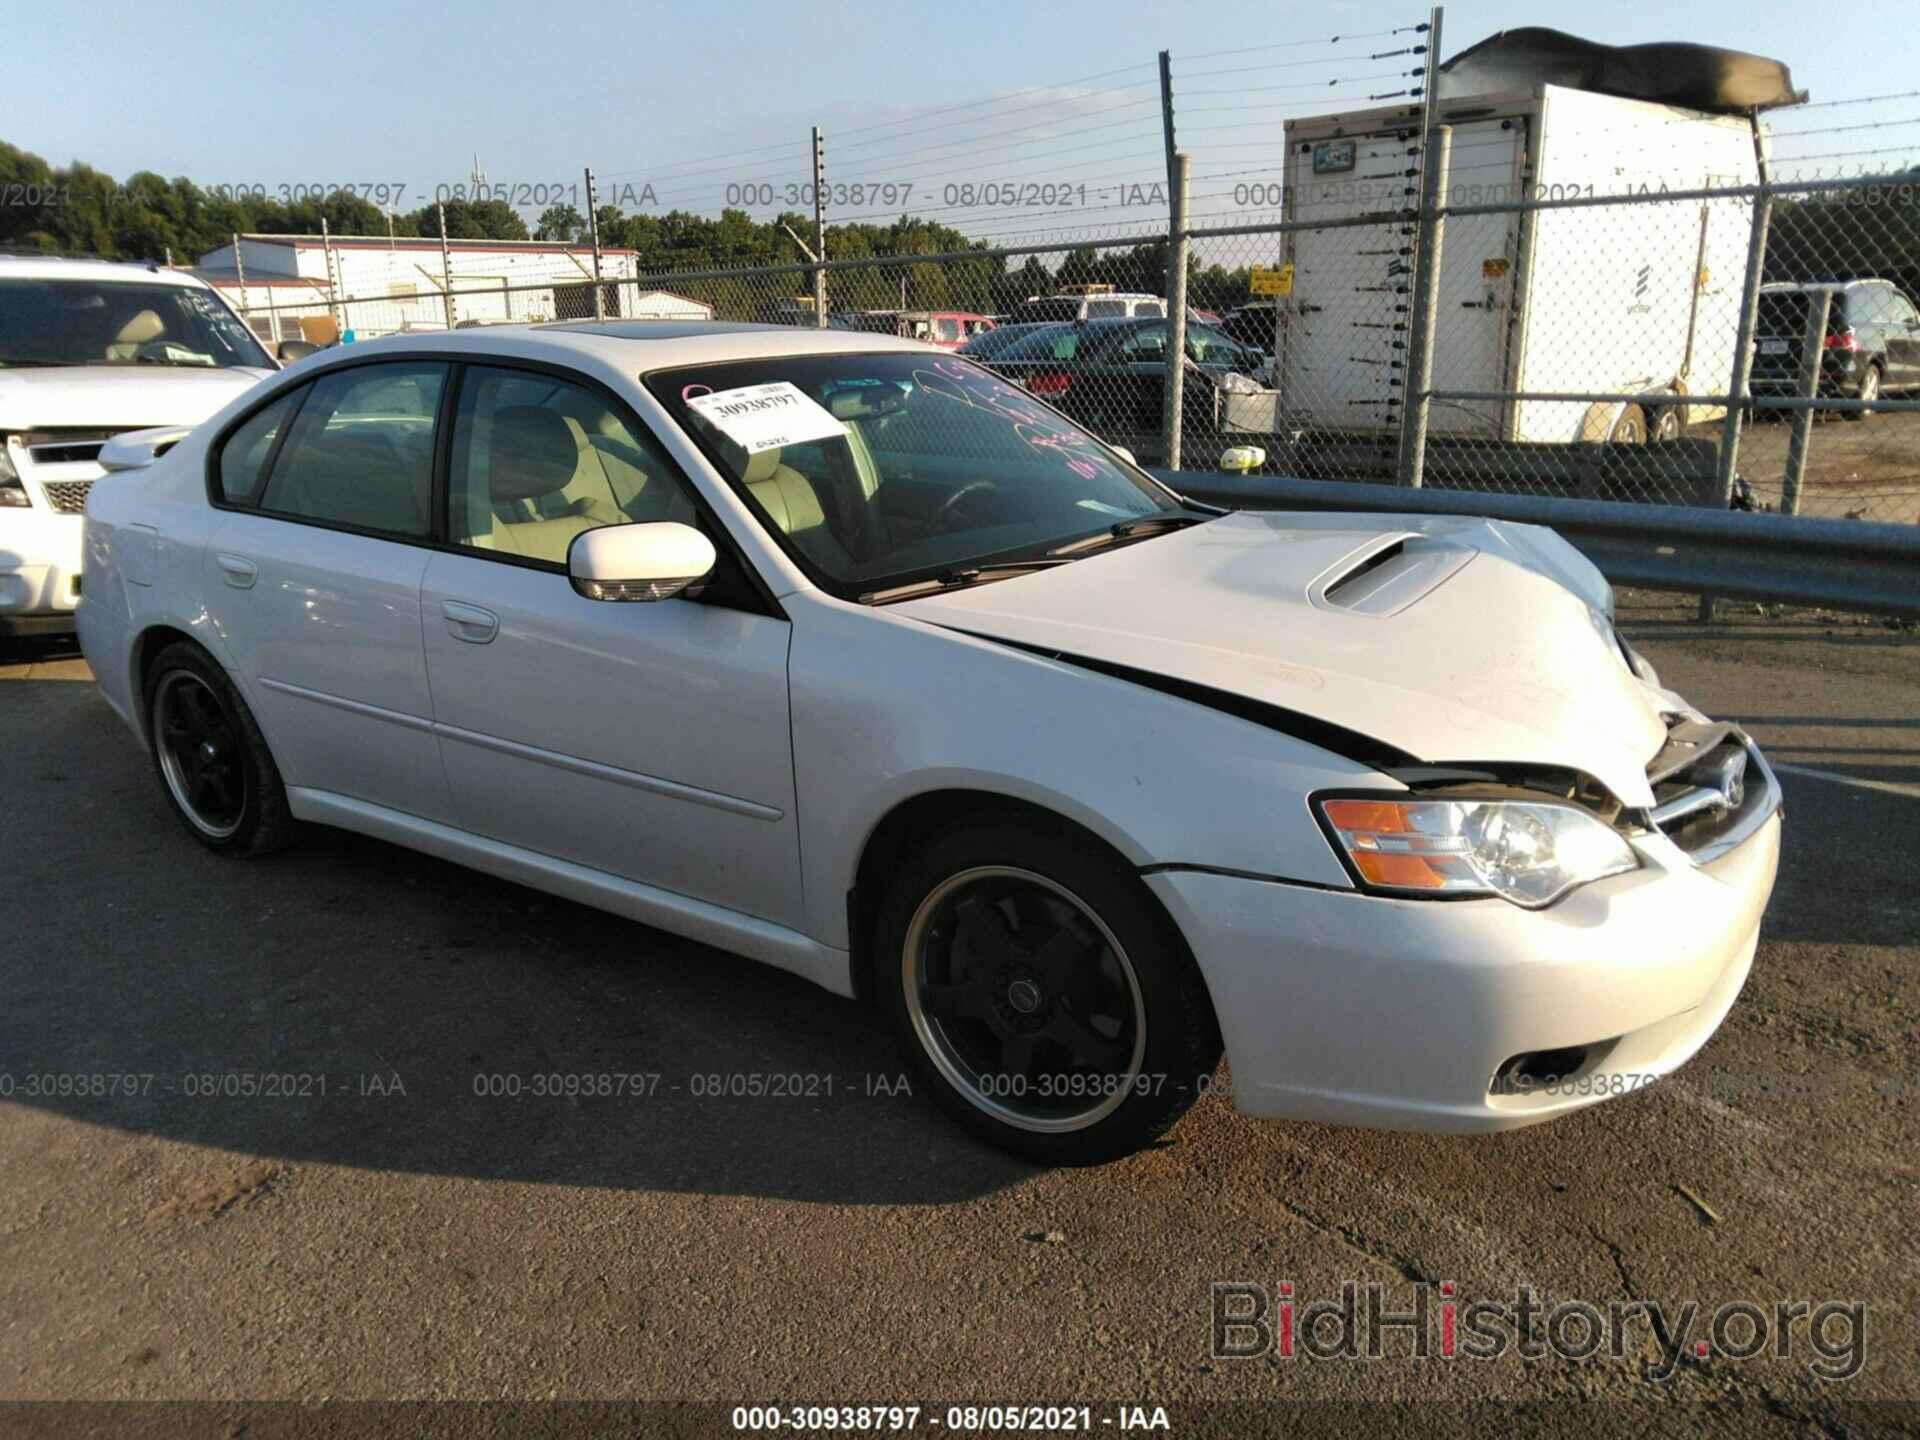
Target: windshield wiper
957, 577
1137, 529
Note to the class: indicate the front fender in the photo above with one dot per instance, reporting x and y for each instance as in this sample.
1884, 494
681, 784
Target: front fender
885, 708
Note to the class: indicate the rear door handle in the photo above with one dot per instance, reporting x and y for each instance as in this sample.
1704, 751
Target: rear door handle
240, 571
470, 622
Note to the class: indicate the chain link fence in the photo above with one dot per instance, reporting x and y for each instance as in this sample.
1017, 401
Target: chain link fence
1746, 345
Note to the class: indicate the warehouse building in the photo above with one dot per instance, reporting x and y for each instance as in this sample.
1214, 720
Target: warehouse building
312, 287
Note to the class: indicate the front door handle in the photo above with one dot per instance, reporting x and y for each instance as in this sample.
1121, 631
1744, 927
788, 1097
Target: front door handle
240, 571
469, 622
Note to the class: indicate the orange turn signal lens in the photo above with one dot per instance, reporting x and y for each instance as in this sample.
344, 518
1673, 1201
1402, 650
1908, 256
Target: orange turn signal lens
1379, 816
1402, 872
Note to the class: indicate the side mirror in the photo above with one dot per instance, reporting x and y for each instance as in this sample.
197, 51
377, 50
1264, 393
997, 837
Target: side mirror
296, 349
639, 562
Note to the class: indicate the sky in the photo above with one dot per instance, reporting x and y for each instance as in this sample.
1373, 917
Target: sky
696, 101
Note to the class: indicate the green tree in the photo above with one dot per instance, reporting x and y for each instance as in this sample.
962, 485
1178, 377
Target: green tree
559, 222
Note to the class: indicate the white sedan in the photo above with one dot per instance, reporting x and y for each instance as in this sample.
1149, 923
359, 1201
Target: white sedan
841, 653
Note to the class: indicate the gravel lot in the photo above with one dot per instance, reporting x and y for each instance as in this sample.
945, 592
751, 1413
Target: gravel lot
401, 1236
1864, 470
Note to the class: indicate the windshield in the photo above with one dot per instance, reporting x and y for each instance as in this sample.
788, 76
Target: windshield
99, 322
877, 470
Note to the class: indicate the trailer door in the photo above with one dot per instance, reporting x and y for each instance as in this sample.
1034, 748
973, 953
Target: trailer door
1479, 267
1344, 328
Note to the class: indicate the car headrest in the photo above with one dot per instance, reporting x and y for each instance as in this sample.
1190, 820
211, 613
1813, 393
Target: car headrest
760, 467
533, 452
140, 329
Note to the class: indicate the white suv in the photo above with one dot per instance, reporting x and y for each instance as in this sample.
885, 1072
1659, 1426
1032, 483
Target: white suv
89, 349
1108, 305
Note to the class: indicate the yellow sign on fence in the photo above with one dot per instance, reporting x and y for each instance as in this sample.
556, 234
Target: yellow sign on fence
1270, 282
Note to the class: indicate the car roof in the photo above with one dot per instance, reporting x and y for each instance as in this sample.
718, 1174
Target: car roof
107, 272
1779, 287
638, 344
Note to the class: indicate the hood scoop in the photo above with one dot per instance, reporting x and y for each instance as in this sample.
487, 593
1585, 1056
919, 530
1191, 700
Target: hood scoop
1387, 574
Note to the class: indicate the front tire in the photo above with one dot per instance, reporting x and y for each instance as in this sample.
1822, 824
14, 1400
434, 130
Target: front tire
1042, 995
1630, 428
212, 760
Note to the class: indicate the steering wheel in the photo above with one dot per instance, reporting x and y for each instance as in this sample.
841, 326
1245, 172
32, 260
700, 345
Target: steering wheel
940, 517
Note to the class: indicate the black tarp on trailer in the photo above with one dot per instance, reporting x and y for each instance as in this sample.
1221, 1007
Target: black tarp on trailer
1698, 77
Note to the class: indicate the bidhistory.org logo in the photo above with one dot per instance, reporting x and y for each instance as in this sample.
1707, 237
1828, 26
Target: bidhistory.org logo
1251, 1320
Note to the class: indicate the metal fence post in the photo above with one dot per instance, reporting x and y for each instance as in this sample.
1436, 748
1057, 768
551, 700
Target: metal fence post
1737, 382
240, 274
819, 228
593, 233
1812, 343
1171, 400
446, 266
1166, 120
326, 244
1743, 343
1423, 310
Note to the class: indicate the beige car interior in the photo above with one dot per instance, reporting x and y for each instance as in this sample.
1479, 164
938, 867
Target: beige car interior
551, 475
142, 329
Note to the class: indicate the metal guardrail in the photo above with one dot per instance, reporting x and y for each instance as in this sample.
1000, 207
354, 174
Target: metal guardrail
1844, 564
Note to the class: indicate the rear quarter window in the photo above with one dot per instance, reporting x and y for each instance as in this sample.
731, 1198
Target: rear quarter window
244, 456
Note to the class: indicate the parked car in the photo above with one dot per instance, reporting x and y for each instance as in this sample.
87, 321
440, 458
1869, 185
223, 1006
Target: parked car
1252, 325
1872, 344
988, 343
89, 349
1105, 305
949, 329
1111, 375
1087, 779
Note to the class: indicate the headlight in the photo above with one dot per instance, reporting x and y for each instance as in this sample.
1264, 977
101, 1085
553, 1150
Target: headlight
1526, 851
13, 495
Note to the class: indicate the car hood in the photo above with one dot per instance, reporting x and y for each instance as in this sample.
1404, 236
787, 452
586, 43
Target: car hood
1455, 640
116, 396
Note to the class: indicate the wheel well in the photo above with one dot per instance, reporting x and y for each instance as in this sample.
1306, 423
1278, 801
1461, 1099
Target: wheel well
912, 824
149, 644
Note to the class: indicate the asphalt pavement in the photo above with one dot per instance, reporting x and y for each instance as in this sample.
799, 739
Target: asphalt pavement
305, 1149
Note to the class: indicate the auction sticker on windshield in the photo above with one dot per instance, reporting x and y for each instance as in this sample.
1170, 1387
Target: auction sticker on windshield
766, 417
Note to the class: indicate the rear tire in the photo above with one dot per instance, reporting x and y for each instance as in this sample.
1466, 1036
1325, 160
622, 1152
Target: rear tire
1665, 426
1869, 392
1041, 993
213, 763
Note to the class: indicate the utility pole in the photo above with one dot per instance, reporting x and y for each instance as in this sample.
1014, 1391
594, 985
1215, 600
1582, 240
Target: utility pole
593, 232
819, 229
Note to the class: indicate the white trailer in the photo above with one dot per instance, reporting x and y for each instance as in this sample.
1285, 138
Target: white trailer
1640, 299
